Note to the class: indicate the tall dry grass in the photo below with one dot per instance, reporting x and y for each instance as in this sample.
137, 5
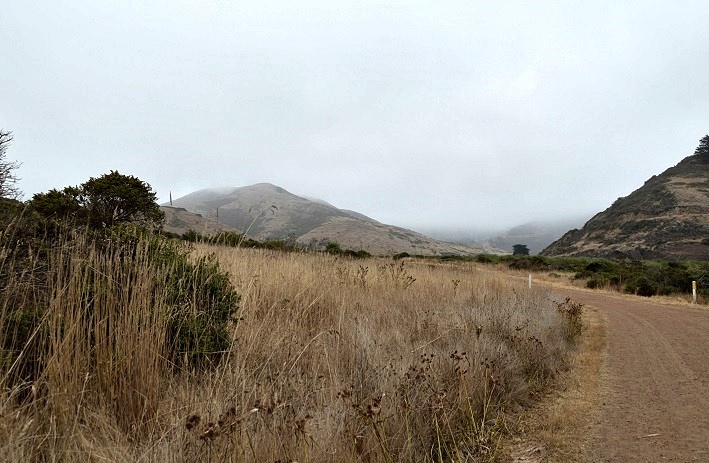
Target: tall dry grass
332, 360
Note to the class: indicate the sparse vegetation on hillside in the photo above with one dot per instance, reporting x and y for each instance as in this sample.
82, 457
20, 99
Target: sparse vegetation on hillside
666, 218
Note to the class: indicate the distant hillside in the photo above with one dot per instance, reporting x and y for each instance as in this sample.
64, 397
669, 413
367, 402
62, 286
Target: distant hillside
266, 211
179, 220
536, 235
378, 238
666, 218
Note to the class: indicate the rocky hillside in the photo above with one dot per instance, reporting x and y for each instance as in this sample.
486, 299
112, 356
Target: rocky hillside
667, 218
266, 211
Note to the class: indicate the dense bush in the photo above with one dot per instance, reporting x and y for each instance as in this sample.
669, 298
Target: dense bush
202, 303
200, 299
335, 249
100, 277
102, 202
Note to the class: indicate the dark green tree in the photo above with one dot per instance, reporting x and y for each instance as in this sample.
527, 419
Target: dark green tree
116, 198
64, 204
103, 202
520, 250
703, 147
8, 179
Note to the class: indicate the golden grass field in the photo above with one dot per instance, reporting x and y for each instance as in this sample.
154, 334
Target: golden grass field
331, 360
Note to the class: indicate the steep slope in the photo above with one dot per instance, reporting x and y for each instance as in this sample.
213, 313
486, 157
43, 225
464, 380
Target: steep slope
666, 218
266, 211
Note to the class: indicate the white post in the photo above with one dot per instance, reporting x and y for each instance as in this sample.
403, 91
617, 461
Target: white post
530, 281
694, 292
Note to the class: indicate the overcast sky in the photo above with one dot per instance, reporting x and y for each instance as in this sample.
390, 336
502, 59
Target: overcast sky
463, 114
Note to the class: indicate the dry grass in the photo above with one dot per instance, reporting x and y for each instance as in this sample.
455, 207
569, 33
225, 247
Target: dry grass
332, 360
561, 428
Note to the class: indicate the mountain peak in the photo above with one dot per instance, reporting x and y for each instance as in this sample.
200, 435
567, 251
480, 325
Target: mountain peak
266, 211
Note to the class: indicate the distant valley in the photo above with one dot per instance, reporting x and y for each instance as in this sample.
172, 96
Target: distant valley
536, 235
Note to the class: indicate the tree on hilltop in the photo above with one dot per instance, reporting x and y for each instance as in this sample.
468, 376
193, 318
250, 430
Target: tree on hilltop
8, 179
703, 147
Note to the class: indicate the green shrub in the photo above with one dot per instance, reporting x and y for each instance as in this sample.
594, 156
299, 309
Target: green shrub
597, 282
196, 298
641, 286
361, 254
535, 263
200, 298
202, 304
192, 236
333, 248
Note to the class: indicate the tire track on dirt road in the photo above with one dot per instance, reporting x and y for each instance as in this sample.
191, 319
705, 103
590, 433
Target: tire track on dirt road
656, 394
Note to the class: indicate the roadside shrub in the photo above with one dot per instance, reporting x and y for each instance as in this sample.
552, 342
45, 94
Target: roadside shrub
597, 282
572, 313
641, 286
535, 263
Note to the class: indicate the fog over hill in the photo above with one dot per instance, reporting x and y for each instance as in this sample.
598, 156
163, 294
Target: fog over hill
265, 211
535, 235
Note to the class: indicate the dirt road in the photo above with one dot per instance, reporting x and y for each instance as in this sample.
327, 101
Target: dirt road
655, 398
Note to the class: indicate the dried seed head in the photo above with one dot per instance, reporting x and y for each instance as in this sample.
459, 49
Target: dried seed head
192, 422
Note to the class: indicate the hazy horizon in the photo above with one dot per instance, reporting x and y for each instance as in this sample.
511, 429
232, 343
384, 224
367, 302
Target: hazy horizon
469, 115
458, 233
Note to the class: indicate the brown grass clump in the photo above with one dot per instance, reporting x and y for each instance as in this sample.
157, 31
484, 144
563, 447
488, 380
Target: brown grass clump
332, 359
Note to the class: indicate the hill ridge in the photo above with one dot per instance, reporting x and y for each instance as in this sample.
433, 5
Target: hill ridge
265, 211
666, 218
